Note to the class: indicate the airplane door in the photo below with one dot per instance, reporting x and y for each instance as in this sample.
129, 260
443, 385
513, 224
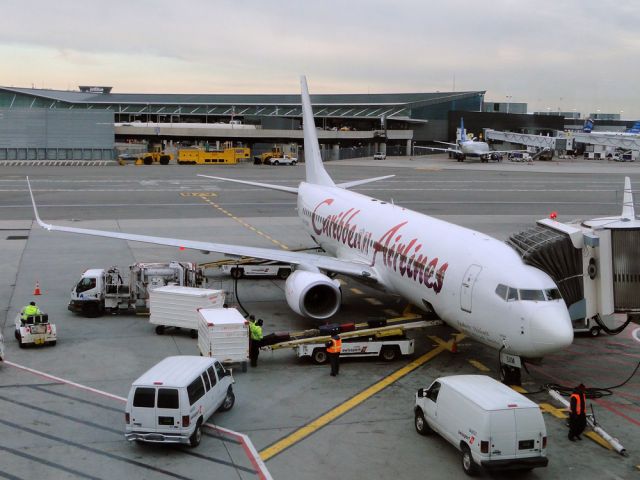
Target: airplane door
466, 289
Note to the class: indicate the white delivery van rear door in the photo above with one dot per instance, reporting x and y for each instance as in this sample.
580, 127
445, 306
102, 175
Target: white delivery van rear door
168, 410
530, 429
143, 410
503, 434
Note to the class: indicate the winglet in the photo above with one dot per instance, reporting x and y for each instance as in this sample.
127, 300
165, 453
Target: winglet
628, 210
35, 208
314, 168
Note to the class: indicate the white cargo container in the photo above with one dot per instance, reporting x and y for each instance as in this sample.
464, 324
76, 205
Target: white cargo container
177, 307
224, 333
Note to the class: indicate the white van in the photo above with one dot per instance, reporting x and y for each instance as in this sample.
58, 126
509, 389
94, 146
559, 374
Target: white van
170, 402
492, 425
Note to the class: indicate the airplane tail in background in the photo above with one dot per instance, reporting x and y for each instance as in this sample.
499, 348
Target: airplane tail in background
634, 129
463, 132
315, 171
588, 126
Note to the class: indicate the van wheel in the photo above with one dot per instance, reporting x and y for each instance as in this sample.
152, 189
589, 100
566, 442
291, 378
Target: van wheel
160, 329
389, 353
52, 343
319, 356
468, 465
194, 333
17, 334
422, 427
228, 402
196, 436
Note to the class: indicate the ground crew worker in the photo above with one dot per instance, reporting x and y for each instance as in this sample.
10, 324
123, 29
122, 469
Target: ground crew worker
29, 310
255, 337
577, 413
334, 347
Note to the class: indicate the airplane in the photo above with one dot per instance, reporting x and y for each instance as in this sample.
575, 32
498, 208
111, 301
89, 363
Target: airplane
634, 131
473, 282
465, 147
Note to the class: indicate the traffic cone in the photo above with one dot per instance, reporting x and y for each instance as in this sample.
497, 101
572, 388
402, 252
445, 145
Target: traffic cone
37, 290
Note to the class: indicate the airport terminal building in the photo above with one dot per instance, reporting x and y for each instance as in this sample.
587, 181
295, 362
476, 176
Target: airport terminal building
89, 123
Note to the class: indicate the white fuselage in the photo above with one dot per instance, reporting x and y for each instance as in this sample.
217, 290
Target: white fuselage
471, 148
439, 265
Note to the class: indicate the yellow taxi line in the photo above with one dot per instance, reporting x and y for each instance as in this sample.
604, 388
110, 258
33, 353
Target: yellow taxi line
354, 401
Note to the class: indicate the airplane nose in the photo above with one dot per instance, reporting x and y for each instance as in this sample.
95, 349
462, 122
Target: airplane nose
551, 329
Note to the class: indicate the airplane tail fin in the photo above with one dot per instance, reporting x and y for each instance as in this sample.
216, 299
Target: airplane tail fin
628, 210
588, 126
315, 171
634, 129
463, 133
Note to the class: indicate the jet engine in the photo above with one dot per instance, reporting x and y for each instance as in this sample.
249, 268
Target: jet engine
313, 294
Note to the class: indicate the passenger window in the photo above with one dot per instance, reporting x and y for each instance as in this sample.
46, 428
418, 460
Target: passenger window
207, 384
432, 394
144, 397
220, 370
168, 398
512, 294
195, 390
212, 376
535, 295
501, 291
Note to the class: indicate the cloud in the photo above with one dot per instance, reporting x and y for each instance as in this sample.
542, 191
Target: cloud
537, 52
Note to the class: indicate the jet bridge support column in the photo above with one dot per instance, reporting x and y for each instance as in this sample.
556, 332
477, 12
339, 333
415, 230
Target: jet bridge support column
335, 151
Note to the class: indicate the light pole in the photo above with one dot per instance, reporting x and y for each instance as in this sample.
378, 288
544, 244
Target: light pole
509, 97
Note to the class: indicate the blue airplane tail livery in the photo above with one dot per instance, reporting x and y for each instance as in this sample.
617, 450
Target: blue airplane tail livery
588, 126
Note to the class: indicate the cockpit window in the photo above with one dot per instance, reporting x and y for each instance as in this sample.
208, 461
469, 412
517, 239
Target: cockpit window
535, 295
553, 294
511, 294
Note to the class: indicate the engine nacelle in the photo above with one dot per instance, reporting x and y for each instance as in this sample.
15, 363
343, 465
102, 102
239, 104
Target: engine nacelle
313, 294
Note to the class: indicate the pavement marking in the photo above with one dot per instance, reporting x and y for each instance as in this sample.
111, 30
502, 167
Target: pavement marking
198, 194
244, 224
247, 445
356, 291
391, 312
479, 366
555, 411
599, 440
374, 301
354, 401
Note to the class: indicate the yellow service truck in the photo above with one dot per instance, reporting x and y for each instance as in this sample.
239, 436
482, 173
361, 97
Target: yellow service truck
200, 156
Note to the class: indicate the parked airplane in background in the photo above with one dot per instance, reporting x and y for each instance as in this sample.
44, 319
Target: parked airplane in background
633, 131
473, 282
466, 147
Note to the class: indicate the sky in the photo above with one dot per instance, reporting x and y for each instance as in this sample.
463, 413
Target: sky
554, 55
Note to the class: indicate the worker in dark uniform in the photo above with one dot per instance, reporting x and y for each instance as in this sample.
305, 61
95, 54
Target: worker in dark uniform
255, 338
334, 347
577, 413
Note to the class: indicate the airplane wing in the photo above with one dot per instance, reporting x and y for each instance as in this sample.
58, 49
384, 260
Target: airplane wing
355, 183
270, 186
436, 149
330, 264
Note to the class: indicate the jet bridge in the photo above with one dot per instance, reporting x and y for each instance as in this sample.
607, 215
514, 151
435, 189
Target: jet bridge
559, 142
595, 263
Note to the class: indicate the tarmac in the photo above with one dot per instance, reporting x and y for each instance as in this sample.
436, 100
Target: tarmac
61, 409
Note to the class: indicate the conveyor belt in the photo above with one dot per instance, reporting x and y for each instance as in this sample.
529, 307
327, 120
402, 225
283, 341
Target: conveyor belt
552, 252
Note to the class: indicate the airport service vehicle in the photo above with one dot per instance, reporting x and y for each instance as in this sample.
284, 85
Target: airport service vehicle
105, 291
388, 347
465, 147
379, 156
35, 330
177, 307
492, 425
258, 270
437, 266
284, 160
170, 402
198, 156
224, 333
520, 157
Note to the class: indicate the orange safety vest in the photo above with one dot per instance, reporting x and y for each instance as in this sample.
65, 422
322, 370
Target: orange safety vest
336, 346
579, 402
